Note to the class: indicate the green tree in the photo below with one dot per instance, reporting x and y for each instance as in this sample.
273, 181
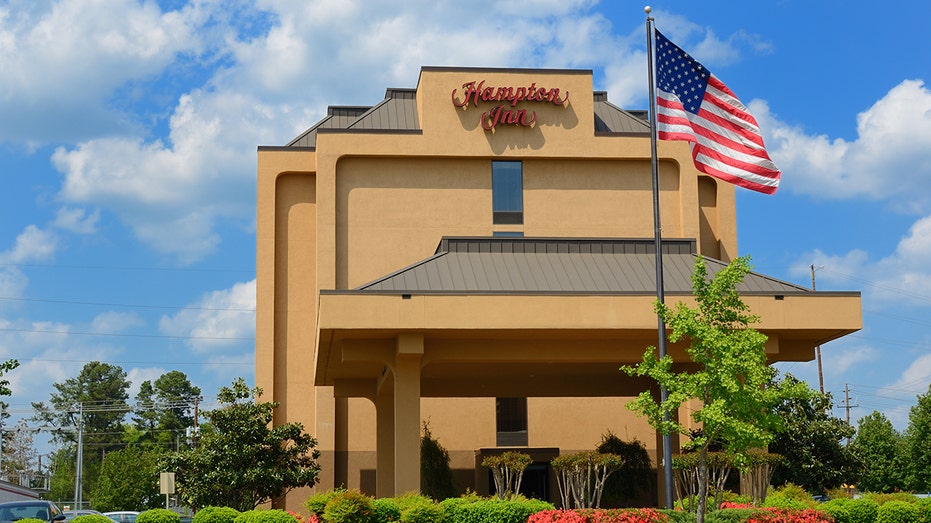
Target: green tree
729, 374
96, 397
165, 408
881, 451
436, 476
243, 461
6, 367
812, 443
918, 443
635, 479
19, 453
95, 400
61, 466
128, 480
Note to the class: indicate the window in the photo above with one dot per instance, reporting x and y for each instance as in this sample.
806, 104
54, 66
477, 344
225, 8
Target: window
507, 192
511, 421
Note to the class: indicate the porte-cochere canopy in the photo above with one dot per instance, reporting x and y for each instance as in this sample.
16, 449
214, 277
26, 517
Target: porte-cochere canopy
537, 317
498, 312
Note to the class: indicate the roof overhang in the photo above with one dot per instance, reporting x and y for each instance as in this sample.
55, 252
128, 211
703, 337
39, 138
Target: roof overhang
537, 344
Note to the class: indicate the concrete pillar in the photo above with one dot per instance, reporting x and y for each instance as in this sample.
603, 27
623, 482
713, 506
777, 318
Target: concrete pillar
407, 413
384, 439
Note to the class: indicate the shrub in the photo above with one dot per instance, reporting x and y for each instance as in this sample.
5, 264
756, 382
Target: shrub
436, 477
316, 504
837, 508
350, 506
507, 469
581, 477
897, 511
790, 496
386, 510
462, 510
89, 518
884, 497
32, 520
636, 477
213, 515
924, 509
419, 509
264, 516
158, 515
679, 516
838, 493
862, 510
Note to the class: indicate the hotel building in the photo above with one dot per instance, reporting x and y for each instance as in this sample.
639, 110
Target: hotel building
477, 254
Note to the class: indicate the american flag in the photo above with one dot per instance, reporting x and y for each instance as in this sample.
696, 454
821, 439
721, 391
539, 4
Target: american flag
694, 106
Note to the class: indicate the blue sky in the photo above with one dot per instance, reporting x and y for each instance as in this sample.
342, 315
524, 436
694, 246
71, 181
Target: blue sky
128, 135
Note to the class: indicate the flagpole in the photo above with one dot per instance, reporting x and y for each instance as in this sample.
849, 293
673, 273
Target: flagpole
658, 245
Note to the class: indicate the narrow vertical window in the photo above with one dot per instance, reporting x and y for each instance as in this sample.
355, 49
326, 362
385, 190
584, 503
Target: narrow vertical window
511, 422
507, 192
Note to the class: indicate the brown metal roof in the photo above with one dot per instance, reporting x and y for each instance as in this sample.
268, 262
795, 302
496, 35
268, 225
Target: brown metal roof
398, 112
610, 118
338, 117
559, 266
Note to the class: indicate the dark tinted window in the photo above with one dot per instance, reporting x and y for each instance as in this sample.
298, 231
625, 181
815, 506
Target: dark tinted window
507, 192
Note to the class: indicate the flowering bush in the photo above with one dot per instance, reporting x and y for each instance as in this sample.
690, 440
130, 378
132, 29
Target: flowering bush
781, 515
643, 515
732, 504
299, 518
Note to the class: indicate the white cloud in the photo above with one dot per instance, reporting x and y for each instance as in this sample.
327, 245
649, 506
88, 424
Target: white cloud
887, 161
32, 245
113, 322
137, 375
845, 358
12, 284
63, 61
217, 321
77, 220
901, 278
275, 84
44, 348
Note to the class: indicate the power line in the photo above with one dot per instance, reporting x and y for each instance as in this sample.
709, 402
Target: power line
127, 305
124, 268
127, 362
125, 335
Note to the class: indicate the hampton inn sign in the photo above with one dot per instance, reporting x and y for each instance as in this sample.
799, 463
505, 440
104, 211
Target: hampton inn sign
476, 93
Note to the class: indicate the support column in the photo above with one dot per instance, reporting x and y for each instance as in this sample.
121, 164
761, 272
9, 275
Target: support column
384, 439
407, 413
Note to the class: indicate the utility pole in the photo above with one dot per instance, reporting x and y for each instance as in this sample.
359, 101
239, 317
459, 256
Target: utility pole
817, 347
78, 488
848, 406
194, 434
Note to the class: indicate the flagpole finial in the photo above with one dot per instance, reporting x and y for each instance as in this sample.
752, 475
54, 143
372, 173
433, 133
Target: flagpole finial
647, 9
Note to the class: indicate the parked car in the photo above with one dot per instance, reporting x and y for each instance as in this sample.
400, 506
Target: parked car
38, 509
71, 514
122, 516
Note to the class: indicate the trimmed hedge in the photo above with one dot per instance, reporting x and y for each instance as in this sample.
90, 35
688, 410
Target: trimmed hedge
214, 515
493, 510
158, 515
89, 518
264, 516
350, 506
898, 512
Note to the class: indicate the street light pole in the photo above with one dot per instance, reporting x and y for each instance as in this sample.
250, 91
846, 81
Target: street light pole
817, 347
